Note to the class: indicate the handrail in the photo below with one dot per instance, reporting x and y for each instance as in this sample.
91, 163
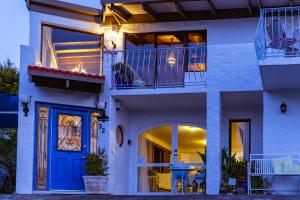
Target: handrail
160, 67
278, 33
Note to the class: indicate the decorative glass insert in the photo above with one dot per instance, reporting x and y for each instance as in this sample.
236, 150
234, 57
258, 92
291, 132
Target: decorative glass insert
42, 148
69, 132
94, 133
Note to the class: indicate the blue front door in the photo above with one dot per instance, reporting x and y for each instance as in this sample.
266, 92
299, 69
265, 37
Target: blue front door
70, 133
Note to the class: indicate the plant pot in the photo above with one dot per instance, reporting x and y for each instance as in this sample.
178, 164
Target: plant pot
96, 184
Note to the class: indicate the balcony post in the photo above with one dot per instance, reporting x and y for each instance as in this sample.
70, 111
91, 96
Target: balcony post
213, 151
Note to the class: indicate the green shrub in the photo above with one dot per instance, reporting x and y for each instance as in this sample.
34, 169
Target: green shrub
96, 163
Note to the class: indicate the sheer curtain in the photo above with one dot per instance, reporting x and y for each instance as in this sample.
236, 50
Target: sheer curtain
48, 54
143, 184
244, 134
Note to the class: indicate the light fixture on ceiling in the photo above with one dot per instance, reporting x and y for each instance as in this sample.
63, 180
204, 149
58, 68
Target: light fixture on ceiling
171, 56
193, 128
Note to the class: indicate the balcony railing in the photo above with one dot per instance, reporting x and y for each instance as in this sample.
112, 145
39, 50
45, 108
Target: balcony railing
278, 33
165, 67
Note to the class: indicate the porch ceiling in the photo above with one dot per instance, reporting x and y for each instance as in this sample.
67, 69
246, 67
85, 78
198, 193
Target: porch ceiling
163, 101
145, 11
242, 99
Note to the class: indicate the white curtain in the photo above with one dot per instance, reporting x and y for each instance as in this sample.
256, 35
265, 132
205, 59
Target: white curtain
143, 184
48, 54
244, 134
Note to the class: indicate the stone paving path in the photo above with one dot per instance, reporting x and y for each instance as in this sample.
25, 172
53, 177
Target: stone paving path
108, 197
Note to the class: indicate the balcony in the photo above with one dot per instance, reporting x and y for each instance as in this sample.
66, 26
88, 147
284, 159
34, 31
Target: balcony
277, 44
159, 68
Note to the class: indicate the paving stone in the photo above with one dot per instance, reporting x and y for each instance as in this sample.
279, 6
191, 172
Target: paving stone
109, 197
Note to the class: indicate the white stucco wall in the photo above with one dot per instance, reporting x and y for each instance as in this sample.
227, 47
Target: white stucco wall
281, 131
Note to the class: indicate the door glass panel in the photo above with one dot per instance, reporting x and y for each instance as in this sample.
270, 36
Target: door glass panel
240, 140
191, 144
42, 148
94, 133
154, 179
69, 132
155, 145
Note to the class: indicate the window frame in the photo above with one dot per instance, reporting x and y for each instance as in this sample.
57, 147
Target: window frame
74, 29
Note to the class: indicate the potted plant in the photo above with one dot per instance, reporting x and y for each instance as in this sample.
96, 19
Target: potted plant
96, 181
124, 77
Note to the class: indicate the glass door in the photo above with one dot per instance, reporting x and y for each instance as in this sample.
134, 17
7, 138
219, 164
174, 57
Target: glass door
154, 159
161, 150
190, 158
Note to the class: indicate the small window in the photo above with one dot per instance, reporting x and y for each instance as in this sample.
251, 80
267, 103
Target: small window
69, 133
71, 50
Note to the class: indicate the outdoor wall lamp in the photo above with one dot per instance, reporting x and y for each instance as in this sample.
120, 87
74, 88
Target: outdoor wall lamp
25, 101
283, 107
102, 117
118, 105
114, 36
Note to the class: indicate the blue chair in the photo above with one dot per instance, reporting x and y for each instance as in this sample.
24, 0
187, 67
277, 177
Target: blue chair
199, 179
179, 174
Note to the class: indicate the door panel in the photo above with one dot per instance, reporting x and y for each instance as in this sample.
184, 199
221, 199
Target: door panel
69, 146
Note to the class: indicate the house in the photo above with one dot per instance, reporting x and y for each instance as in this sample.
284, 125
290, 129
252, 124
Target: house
175, 78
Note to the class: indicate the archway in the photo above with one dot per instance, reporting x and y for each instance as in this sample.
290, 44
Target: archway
162, 147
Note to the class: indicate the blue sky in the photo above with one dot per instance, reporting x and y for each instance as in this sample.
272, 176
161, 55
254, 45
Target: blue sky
14, 23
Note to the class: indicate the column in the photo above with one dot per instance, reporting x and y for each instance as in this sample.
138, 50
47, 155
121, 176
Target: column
213, 137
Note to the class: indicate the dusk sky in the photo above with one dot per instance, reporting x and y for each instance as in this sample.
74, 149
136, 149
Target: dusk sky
14, 23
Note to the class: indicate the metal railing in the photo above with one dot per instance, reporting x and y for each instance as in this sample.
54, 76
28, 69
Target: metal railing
278, 33
163, 67
268, 166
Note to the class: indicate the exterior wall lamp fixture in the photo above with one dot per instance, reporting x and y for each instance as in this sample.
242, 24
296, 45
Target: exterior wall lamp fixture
114, 36
25, 101
102, 117
283, 107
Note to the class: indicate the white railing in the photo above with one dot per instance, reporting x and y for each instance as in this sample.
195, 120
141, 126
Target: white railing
166, 67
278, 33
270, 165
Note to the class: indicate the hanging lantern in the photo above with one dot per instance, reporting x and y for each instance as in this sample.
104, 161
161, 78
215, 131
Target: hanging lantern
171, 59
171, 56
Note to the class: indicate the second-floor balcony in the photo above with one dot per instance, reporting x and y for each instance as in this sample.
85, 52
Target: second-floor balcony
159, 67
277, 44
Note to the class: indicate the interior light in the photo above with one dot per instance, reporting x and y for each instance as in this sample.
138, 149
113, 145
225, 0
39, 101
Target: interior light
79, 68
171, 56
192, 128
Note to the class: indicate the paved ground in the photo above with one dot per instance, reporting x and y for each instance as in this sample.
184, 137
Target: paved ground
107, 197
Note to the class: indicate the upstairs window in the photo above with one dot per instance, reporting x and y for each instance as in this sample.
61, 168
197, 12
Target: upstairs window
71, 50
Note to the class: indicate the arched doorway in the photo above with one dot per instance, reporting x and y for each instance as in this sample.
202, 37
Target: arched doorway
162, 147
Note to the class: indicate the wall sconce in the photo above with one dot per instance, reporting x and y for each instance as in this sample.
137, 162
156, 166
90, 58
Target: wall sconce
283, 107
118, 105
102, 117
25, 101
114, 36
